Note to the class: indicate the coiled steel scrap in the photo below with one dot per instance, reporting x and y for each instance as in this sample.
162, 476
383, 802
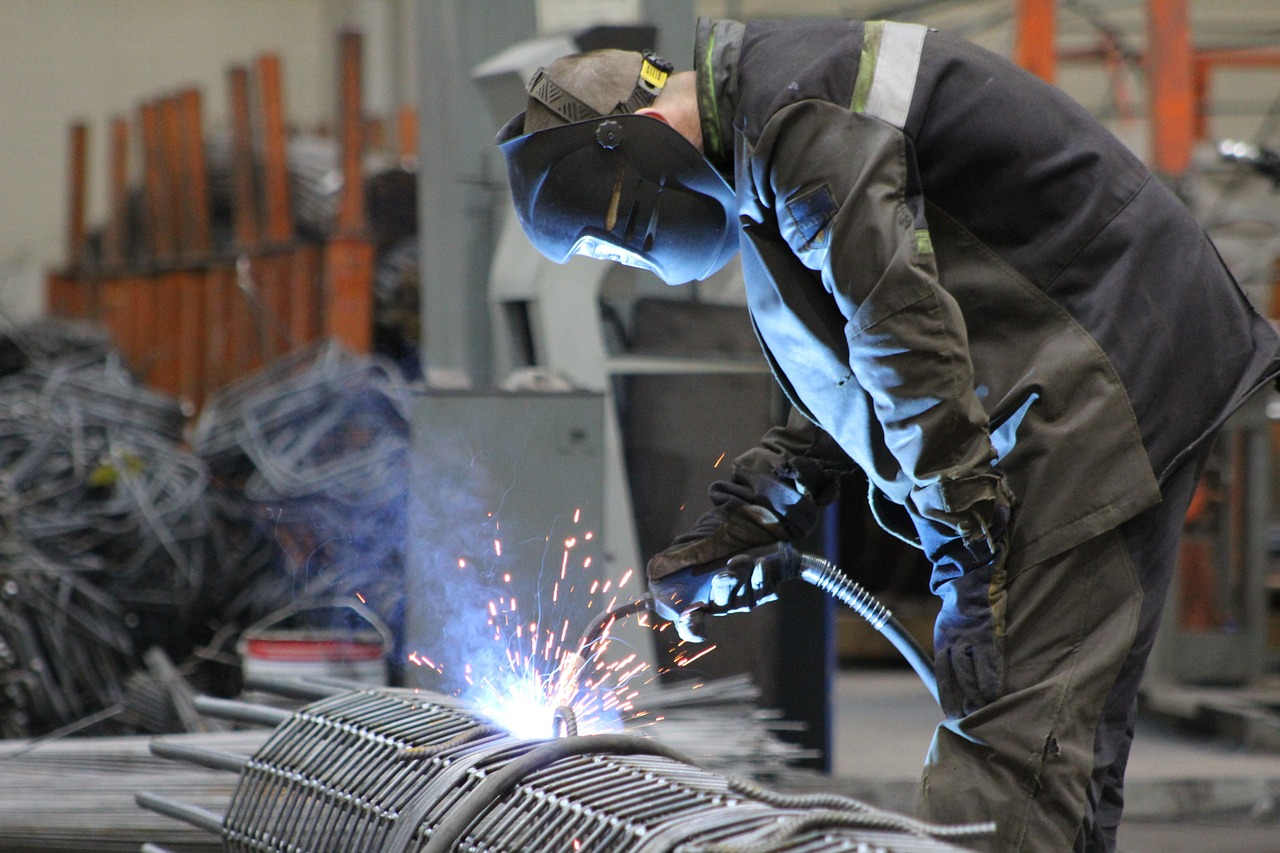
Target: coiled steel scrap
103, 529
308, 460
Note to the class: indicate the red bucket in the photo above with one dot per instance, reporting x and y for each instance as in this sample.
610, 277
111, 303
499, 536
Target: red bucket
283, 646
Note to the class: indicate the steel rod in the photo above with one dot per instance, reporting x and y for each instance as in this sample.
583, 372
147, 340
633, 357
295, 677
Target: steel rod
193, 815
242, 712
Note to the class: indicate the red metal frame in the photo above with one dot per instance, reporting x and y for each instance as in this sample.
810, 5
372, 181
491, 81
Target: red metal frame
1170, 83
1035, 45
1178, 75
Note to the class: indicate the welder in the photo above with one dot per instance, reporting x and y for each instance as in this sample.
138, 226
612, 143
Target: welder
972, 291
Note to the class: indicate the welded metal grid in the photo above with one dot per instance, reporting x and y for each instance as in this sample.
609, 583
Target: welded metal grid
389, 770
332, 777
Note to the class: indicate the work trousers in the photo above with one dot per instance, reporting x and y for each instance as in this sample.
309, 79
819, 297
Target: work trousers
1046, 760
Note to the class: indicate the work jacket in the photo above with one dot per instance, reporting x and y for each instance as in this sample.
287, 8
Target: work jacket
958, 275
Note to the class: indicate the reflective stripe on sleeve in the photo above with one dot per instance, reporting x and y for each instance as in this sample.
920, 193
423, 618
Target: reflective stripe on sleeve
895, 51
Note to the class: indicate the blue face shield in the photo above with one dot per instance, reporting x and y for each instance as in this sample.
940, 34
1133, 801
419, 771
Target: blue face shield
624, 188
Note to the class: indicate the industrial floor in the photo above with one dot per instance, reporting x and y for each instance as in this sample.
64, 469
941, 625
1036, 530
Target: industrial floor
1183, 793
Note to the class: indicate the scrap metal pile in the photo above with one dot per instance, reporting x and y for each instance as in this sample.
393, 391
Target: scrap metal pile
402, 770
118, 537
102, 527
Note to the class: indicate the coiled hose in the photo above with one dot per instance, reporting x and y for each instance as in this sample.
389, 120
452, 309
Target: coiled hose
824, 574
785, 561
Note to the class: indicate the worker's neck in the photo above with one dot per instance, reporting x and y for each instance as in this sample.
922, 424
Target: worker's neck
677, 105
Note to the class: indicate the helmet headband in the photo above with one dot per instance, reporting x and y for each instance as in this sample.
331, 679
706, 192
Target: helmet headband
654, 71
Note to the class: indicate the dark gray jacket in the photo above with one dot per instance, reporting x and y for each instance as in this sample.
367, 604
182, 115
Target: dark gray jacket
955, 271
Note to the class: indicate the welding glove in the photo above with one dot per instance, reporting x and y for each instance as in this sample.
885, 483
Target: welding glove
968, 636
740, 583
717, 536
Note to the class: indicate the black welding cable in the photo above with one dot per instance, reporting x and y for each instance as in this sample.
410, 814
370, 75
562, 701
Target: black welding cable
500, 782
827, 577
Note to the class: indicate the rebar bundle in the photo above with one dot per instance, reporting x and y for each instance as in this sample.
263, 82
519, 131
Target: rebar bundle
78, 794
401, 770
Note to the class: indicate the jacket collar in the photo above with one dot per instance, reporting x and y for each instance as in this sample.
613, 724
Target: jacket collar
715, 59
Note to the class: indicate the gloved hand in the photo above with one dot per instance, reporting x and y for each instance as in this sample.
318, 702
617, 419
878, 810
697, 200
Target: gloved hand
718, 536
736, 585
968, 636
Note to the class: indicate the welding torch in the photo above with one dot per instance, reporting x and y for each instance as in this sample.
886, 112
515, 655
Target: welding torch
742, 582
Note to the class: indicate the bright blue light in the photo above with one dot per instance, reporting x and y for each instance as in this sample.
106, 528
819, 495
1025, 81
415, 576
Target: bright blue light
519, 703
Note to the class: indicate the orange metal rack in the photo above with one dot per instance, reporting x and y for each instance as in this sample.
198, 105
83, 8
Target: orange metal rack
187, 317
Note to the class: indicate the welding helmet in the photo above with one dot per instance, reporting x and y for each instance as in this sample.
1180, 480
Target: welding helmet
618, 187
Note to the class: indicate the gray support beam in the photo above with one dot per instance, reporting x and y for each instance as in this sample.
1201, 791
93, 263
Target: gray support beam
675, 21
457, 169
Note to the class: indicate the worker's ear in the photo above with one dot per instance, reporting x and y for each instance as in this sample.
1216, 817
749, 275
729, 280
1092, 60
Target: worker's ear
652, 113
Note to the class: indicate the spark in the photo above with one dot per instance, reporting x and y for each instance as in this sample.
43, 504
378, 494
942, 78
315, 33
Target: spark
687, 661
362, 598
718, 461
423, 660
533, 666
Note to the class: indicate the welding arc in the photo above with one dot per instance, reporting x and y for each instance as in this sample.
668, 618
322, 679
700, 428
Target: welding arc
826, 576
500, 782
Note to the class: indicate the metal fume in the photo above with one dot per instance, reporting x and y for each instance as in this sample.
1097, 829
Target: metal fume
401, 770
